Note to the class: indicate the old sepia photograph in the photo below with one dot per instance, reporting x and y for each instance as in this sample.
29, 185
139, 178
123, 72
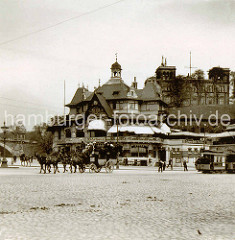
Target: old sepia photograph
117, 119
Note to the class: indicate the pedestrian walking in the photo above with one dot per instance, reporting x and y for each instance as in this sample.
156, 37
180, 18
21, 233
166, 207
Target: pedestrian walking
160, 166
170, 164
164, 165
185, 166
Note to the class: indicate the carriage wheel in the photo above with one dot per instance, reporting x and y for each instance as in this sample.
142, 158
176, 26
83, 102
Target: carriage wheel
82, 169
98, 169
92, 168
109, 167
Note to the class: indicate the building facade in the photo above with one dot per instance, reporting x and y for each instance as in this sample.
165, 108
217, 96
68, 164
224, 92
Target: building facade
117, 113
212, 91
132, 117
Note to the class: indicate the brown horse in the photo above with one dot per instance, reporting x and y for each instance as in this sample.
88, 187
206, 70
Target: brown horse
80, 159
25, 160
42, 161
53, 159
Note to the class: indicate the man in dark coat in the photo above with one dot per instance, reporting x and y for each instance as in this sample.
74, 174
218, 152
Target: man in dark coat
185, 166
160, 166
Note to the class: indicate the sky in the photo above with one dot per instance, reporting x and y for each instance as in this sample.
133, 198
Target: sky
46, 42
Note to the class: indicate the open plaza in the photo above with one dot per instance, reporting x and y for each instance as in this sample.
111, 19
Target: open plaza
132, 202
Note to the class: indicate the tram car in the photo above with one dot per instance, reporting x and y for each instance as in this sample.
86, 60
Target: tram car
212, 161
230, 163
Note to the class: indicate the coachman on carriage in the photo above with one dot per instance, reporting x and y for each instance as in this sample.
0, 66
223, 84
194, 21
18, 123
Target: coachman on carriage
92, 156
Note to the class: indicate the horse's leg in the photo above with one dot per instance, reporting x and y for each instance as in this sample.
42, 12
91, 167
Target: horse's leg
75, 168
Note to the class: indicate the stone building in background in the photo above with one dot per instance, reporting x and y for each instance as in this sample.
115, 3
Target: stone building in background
193, 90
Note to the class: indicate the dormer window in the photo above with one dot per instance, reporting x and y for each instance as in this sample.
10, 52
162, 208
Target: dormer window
115, 93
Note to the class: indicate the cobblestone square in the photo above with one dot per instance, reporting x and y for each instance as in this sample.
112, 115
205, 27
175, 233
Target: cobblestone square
130, 203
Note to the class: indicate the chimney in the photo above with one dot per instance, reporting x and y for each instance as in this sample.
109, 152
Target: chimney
162, 61
134, 84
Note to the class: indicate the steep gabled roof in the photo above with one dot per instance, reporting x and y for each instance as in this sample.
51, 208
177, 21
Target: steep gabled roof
150, 92
80, 95
139, 92
105, 105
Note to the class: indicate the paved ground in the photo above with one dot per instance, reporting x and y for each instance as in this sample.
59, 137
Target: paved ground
130, 203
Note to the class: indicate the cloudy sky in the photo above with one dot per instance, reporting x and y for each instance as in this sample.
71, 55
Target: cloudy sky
44, 42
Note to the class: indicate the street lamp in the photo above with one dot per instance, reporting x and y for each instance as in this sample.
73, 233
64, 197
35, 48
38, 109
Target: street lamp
117, 166
4, 160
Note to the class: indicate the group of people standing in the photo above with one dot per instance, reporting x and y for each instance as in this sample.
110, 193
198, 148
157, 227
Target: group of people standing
162, 165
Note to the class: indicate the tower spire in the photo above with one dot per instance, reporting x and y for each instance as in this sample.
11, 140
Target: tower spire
116, 56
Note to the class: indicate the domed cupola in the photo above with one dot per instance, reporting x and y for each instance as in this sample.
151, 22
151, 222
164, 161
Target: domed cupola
116, 69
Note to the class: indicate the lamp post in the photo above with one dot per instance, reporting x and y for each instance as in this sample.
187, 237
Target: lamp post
117, 166
4, 160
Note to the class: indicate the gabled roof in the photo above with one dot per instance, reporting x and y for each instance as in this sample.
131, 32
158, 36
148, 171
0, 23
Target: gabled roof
113, 91
105, 105
80, 95
139, 92
150, 92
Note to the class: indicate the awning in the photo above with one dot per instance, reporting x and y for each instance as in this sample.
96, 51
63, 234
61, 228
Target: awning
222, 134
97, 125
165, 129
140, 129
113, 129
144, 130
156, 130
132, 128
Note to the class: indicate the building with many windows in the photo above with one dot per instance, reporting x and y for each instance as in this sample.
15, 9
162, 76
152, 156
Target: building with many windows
132, 117
211, 91
116, 112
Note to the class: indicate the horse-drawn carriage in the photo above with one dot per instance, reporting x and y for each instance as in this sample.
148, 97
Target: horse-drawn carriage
92, 157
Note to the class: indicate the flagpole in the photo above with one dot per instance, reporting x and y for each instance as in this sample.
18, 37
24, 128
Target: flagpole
64, 97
